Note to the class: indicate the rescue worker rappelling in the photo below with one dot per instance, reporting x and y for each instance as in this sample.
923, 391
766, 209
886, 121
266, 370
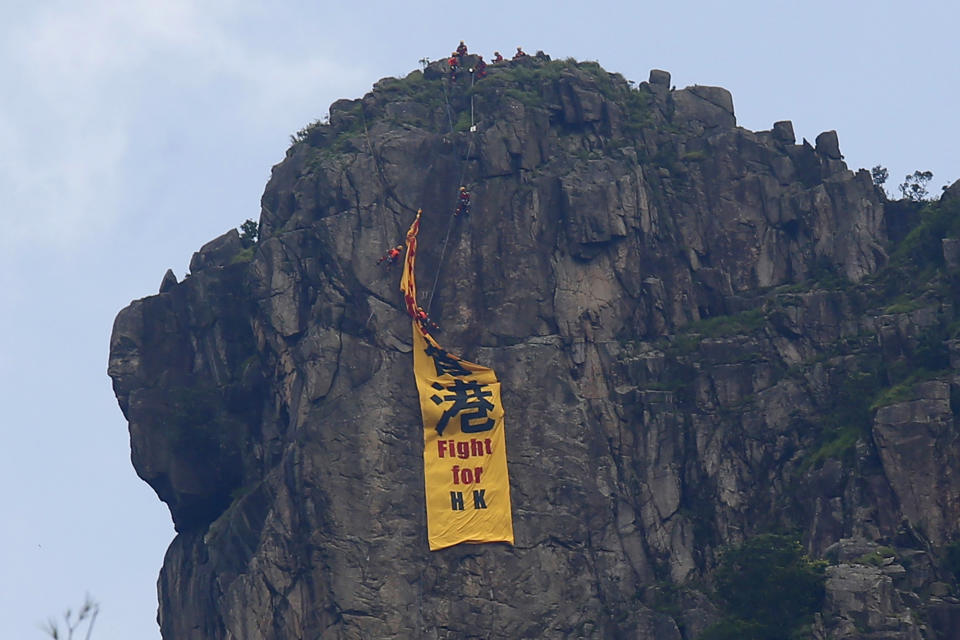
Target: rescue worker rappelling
425, 322
392, 256
463, 202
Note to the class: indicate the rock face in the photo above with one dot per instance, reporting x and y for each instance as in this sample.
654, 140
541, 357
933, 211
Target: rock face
680, 312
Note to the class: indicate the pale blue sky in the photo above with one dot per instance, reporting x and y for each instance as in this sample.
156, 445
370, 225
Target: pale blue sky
131, 132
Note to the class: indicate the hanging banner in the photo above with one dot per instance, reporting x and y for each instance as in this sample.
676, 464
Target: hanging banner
464, 446
408, 283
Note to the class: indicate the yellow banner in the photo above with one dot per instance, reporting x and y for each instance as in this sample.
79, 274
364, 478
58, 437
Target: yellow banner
408, 282
464, 446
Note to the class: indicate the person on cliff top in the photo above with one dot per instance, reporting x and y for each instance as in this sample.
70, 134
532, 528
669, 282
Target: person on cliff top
461, 50
391, 257
463, 205
452, 62
481, 68
519, 54
497, 57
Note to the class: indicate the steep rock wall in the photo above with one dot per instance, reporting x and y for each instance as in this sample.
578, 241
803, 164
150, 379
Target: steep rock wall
624, 269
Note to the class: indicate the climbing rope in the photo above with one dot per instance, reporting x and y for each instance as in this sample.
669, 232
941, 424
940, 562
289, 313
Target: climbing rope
446, 102
446, 239
463, 170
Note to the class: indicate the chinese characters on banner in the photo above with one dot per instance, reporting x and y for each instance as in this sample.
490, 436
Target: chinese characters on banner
464, 453
464, 448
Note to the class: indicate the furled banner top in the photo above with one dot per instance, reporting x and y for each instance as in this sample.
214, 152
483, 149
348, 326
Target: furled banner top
464, 453
408, 282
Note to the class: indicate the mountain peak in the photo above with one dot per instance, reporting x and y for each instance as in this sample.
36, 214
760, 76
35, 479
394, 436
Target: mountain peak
695, 326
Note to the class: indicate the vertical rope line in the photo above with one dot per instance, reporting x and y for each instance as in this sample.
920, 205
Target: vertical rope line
443, 251
463, 170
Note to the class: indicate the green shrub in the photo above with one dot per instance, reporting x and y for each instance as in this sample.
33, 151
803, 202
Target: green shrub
637, 110
850, 414
921, 247
685, 343
827, 275
249, 233
838, 443
463, 122
914, 186
304, 133
904, 304
695, 156
737, 324
879, 175
876, 558
244, 255
768, 589
733, 629
903, 391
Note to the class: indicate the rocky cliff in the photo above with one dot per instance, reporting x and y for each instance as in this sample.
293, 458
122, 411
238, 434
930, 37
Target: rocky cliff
704, 334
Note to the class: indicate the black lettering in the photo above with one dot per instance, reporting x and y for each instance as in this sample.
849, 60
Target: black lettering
456, 500
445, 363
478, 500
469, 399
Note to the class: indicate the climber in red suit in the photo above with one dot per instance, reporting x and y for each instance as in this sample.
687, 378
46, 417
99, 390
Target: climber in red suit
425, 322
453, 63
481, 68
463, 205
391, 257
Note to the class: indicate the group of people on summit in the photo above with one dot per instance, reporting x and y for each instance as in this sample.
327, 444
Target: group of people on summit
455, 62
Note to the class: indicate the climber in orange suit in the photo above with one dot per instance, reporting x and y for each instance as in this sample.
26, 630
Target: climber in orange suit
454, 65
391, 257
